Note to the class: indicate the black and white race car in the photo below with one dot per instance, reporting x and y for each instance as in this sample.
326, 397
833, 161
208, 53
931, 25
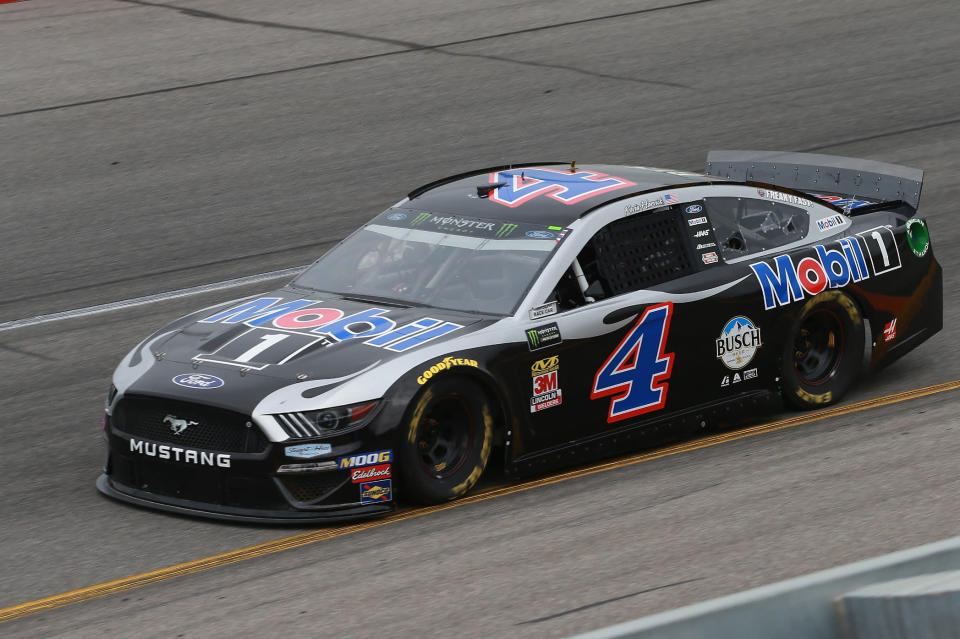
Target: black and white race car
552, 313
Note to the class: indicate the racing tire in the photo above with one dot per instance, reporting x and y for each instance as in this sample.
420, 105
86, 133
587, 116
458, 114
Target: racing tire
823, 352
447, 441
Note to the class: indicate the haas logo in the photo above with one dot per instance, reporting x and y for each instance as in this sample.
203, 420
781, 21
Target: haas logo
178, 425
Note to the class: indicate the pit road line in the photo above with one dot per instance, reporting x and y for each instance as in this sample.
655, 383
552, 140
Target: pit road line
305, 539
150, 299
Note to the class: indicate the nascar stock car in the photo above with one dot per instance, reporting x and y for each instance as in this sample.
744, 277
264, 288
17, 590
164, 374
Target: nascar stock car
536, 315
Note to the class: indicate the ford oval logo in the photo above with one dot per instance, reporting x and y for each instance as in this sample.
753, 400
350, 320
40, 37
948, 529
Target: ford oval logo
693, 209
541, 235
396, 217
198, 380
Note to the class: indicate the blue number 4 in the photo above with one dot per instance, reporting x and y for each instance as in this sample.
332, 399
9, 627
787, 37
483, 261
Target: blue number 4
638, 369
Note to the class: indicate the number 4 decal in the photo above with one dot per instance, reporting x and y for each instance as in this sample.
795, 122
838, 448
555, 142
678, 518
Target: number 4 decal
638, 368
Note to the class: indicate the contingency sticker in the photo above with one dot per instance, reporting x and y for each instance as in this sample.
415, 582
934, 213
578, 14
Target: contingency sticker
543, 336
546, 385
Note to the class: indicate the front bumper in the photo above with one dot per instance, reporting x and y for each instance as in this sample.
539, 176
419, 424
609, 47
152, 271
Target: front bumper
220, 466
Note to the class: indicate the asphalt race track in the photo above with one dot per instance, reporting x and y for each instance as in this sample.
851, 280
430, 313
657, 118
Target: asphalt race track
151, 146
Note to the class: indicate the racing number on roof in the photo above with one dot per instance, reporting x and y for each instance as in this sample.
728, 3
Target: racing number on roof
522, 185
638, 368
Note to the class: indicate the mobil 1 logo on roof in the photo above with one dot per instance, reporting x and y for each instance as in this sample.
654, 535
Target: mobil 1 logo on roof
848, 260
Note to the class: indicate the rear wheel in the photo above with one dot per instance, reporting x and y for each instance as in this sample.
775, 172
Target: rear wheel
823, 352
449, 434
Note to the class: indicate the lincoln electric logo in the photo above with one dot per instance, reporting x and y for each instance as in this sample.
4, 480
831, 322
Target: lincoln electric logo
178, 425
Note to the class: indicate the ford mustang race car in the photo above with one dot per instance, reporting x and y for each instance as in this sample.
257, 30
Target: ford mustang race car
533, 316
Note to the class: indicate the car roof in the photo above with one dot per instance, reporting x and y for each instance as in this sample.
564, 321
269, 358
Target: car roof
473, 194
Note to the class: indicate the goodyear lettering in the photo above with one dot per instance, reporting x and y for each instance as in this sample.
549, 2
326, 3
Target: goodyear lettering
445, 365
366, 459
785, 282
176, 453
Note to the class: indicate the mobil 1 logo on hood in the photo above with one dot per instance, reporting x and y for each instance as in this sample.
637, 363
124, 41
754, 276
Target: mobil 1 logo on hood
738, 342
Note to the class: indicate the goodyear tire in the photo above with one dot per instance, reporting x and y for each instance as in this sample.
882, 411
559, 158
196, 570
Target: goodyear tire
823, 351
447, 442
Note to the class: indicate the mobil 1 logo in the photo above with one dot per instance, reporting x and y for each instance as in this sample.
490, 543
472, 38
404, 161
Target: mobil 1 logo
543, 336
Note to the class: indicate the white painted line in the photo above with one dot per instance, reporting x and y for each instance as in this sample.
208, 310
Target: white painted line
150, 299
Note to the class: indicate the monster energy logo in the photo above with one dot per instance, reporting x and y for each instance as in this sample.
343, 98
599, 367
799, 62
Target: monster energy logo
420, 219
533, 336
506, 229
543, 336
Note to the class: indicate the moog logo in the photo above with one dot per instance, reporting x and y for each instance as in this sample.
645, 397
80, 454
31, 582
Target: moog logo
367, 459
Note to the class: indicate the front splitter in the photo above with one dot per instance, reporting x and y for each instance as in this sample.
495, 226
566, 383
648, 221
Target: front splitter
215, 511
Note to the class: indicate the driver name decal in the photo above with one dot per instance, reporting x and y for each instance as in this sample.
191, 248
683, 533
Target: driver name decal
518, 186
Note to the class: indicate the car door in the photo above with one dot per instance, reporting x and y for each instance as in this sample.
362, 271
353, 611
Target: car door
604, 360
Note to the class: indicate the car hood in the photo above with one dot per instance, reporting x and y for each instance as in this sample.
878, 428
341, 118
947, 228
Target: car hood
279, 342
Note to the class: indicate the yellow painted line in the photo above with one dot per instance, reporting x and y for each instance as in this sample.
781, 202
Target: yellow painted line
305, 539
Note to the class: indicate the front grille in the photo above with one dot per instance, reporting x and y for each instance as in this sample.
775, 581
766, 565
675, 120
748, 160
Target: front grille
199, 426
311, 487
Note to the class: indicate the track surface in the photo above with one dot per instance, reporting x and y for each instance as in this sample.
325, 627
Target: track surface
150, 146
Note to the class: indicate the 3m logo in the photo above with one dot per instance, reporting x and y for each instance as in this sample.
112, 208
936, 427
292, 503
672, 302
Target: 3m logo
506, 229
545, 383
564, 186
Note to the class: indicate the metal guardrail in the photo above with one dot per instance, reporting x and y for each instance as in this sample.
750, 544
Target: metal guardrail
801, 608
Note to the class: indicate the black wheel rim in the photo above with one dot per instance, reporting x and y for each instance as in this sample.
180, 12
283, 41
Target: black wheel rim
445, 436
818, 347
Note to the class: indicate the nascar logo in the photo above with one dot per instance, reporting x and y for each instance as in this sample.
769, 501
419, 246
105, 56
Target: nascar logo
367, 459
786, 282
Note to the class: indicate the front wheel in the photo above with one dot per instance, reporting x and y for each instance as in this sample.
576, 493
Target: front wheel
447, 442
823, 351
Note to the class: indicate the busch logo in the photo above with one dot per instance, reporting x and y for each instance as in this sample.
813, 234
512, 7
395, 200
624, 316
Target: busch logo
785, 282
738, 343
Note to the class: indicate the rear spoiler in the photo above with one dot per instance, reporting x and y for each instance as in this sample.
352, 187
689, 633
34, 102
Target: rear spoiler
815, 173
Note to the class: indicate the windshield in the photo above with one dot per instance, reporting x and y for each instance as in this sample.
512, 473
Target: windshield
444, 261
